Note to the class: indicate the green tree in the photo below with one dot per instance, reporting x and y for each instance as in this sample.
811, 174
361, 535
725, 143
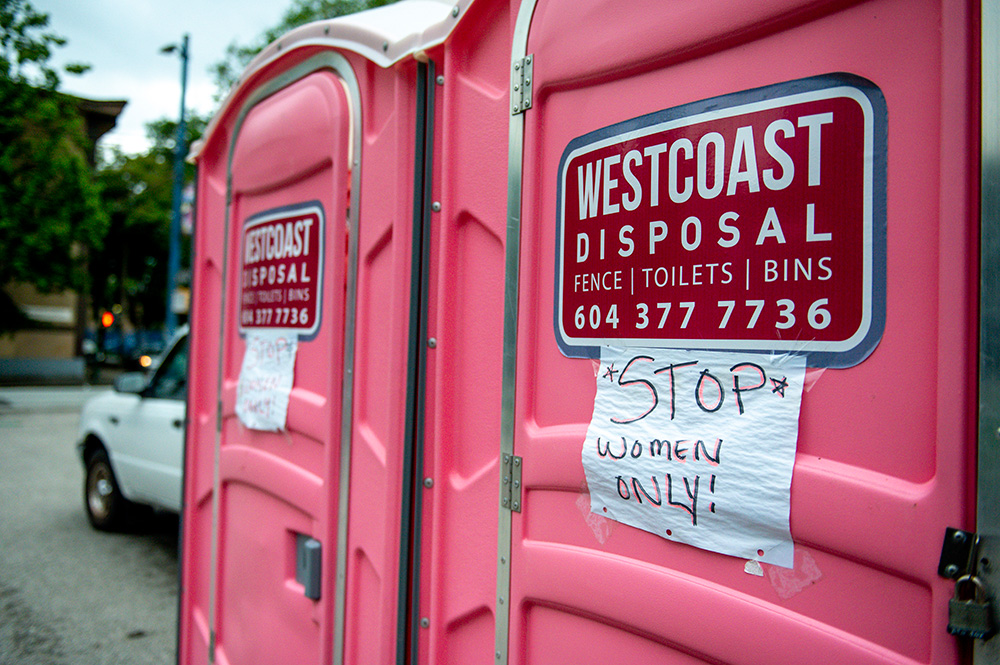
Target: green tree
238, 56
130, 269
50, 213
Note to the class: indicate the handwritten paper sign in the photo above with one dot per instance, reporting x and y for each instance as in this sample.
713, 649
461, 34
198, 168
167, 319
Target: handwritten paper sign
697, 447
266, 379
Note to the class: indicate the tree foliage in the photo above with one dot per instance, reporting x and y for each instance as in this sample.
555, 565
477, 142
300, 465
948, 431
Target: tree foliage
130, 270
50, 213
24, 51
238, 56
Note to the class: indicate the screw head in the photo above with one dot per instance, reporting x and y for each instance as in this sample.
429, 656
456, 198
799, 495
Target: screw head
440, 80
425, 623
428, 483
436, 206
454, 11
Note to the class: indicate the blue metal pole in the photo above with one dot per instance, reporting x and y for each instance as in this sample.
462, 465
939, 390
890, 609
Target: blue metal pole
180, 151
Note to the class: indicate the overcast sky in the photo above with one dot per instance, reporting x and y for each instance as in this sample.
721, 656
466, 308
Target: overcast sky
122, 39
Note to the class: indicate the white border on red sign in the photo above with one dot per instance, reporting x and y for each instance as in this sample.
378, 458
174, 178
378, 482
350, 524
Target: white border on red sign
789, 345
304, 334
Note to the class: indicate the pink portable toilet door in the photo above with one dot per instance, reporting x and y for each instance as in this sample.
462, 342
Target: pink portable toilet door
721, 198
283, 340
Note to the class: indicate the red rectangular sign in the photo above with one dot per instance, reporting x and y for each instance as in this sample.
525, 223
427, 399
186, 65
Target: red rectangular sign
753, 221
282, 258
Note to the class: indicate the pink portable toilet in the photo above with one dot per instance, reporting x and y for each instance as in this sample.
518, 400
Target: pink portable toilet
690, 376
310, 345
746, 240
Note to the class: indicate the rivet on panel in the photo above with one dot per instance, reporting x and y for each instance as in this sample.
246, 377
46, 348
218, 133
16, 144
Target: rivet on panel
385, 46
436, 206
440, 80
454, 11
432, 343
425, 623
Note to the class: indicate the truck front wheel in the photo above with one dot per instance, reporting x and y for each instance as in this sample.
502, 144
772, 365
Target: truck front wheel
107, 509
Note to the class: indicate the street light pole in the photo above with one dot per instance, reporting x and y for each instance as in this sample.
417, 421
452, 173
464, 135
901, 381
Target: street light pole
174, 260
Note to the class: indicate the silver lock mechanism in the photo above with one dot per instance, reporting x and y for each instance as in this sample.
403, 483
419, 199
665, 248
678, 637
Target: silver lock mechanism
969, 611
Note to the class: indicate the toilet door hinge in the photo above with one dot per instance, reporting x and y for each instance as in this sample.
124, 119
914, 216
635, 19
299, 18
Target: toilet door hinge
510, 482
520, 84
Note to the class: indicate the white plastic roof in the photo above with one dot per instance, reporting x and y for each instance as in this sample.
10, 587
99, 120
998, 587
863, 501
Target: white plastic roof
384, 35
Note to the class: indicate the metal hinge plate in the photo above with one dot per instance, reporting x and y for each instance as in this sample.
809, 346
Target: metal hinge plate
520, 84
958, 553
510, 484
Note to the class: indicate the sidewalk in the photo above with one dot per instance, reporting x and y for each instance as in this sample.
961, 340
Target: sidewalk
54, 372
46, 399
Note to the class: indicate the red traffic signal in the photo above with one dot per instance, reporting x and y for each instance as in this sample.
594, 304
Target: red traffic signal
107, 319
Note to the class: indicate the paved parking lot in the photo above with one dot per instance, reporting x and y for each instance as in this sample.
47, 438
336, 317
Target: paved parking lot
69, 594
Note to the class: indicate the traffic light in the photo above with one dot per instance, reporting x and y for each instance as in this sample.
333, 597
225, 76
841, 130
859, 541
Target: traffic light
107, 319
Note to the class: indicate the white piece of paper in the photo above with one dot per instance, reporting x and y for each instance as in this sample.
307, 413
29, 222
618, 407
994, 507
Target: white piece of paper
697, 447
266, 379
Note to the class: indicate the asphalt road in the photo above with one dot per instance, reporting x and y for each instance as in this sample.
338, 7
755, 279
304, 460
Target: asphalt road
69, 594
